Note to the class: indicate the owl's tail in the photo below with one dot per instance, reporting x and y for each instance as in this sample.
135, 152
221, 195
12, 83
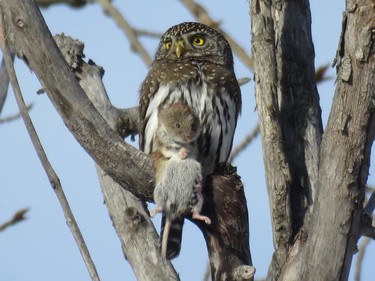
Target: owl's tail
174, 237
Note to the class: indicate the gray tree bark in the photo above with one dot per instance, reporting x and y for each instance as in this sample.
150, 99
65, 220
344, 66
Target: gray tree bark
316, 182
121, 165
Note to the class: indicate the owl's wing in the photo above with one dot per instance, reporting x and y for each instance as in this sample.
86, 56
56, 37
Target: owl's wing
147, 92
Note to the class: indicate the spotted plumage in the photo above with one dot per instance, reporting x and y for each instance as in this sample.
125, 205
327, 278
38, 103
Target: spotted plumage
193, 65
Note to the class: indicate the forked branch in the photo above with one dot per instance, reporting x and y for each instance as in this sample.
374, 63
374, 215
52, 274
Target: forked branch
127, 166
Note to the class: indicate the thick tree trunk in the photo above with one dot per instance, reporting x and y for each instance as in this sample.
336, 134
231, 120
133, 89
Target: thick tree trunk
289, 113
316, 188
345, 152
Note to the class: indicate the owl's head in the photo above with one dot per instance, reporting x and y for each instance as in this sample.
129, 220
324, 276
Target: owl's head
194, 41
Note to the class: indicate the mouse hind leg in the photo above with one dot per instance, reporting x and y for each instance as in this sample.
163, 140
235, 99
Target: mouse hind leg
155, 211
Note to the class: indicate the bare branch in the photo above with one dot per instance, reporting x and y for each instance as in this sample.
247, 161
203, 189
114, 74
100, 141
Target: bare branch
321, 74
153, 34
122, 162
289, 116
346, 146
278, 180
128, 30
130, 218
136, 232
14, 116
227, 237
243, 81
202, 15
17, 217
124, 121
244, 143
366, 227
52, 176
73, 3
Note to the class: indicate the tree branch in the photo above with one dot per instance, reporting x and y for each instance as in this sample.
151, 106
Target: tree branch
367, 227
14, 116
52, 176
17, 217
134, 227
290, 122
122, 162
128, 30
278, 175
130, 218
345, 151
227, 237
245, 143
73, 3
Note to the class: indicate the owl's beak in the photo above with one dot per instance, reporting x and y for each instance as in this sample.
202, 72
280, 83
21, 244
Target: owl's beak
179, 48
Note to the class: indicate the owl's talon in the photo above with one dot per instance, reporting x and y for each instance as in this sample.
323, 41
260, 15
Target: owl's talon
197, 216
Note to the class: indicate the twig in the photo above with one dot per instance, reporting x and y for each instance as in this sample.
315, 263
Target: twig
203, 16
243, 81
141, 32
17, 217
367, 227
14, 116
52, 176
321, 74
124, 25
72, 3
241, 146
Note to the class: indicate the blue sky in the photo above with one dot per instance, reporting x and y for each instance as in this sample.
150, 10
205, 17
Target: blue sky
42, 247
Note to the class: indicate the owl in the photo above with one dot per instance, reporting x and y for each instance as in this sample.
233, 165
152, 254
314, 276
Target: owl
193, 65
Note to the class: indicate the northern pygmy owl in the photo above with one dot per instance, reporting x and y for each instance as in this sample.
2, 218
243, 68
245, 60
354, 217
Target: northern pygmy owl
193, 65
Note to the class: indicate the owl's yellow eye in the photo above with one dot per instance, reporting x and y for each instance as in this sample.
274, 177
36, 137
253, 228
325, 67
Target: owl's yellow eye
198, 40
168, 44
